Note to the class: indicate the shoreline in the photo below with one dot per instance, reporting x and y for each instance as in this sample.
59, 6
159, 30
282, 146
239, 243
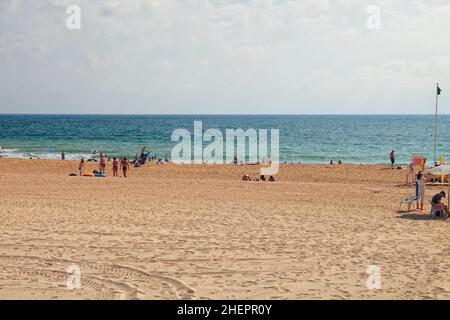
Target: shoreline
226, 164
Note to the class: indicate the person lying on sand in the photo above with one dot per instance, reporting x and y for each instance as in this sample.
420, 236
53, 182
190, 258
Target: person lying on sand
436, 202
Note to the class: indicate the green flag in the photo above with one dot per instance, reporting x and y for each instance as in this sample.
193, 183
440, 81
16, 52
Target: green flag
438, 90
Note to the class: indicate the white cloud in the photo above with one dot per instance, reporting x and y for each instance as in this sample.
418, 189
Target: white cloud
219, 56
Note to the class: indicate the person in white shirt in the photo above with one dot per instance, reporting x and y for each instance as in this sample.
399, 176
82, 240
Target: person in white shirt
420, 190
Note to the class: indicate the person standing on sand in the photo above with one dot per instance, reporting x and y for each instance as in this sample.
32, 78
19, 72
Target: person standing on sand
81, 166
143, 150
420, 189
115, 166
392, 157
102, 167
411, 174
125, 165
63, 156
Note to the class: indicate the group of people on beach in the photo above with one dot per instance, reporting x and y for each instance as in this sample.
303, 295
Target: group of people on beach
121, 163
420, 181
436, 200
262, 177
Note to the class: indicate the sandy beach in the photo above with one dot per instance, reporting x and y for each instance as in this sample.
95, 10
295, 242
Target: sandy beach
199, 232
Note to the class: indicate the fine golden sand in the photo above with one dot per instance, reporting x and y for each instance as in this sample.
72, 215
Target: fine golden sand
199, 232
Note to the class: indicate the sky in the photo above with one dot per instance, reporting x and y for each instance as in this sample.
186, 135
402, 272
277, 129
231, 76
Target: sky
225, 56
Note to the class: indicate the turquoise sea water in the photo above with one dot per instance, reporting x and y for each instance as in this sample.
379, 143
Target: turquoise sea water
303, 138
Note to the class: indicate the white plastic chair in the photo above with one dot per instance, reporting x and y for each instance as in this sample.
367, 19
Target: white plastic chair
410, 200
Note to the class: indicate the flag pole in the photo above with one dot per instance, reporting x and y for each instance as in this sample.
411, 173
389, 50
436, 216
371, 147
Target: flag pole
435, 123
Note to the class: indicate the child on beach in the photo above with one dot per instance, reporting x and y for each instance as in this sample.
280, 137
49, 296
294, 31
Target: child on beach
81, 166
125, 165
115, 166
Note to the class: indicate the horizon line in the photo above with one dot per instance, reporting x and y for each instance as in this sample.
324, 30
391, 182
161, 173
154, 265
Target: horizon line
222, 114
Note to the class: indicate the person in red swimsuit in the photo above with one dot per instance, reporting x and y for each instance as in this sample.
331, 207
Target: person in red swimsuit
102, 166
125, 165
115, 166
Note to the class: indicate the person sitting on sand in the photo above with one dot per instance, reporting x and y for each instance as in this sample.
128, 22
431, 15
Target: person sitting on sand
262, 178
272, 179
125, 165
115, 167
81, 166
102, 166
246, 177
436, 202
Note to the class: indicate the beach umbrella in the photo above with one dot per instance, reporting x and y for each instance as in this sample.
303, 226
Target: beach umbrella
441, 171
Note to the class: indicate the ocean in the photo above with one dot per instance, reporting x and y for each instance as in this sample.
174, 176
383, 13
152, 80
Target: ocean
303, 138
